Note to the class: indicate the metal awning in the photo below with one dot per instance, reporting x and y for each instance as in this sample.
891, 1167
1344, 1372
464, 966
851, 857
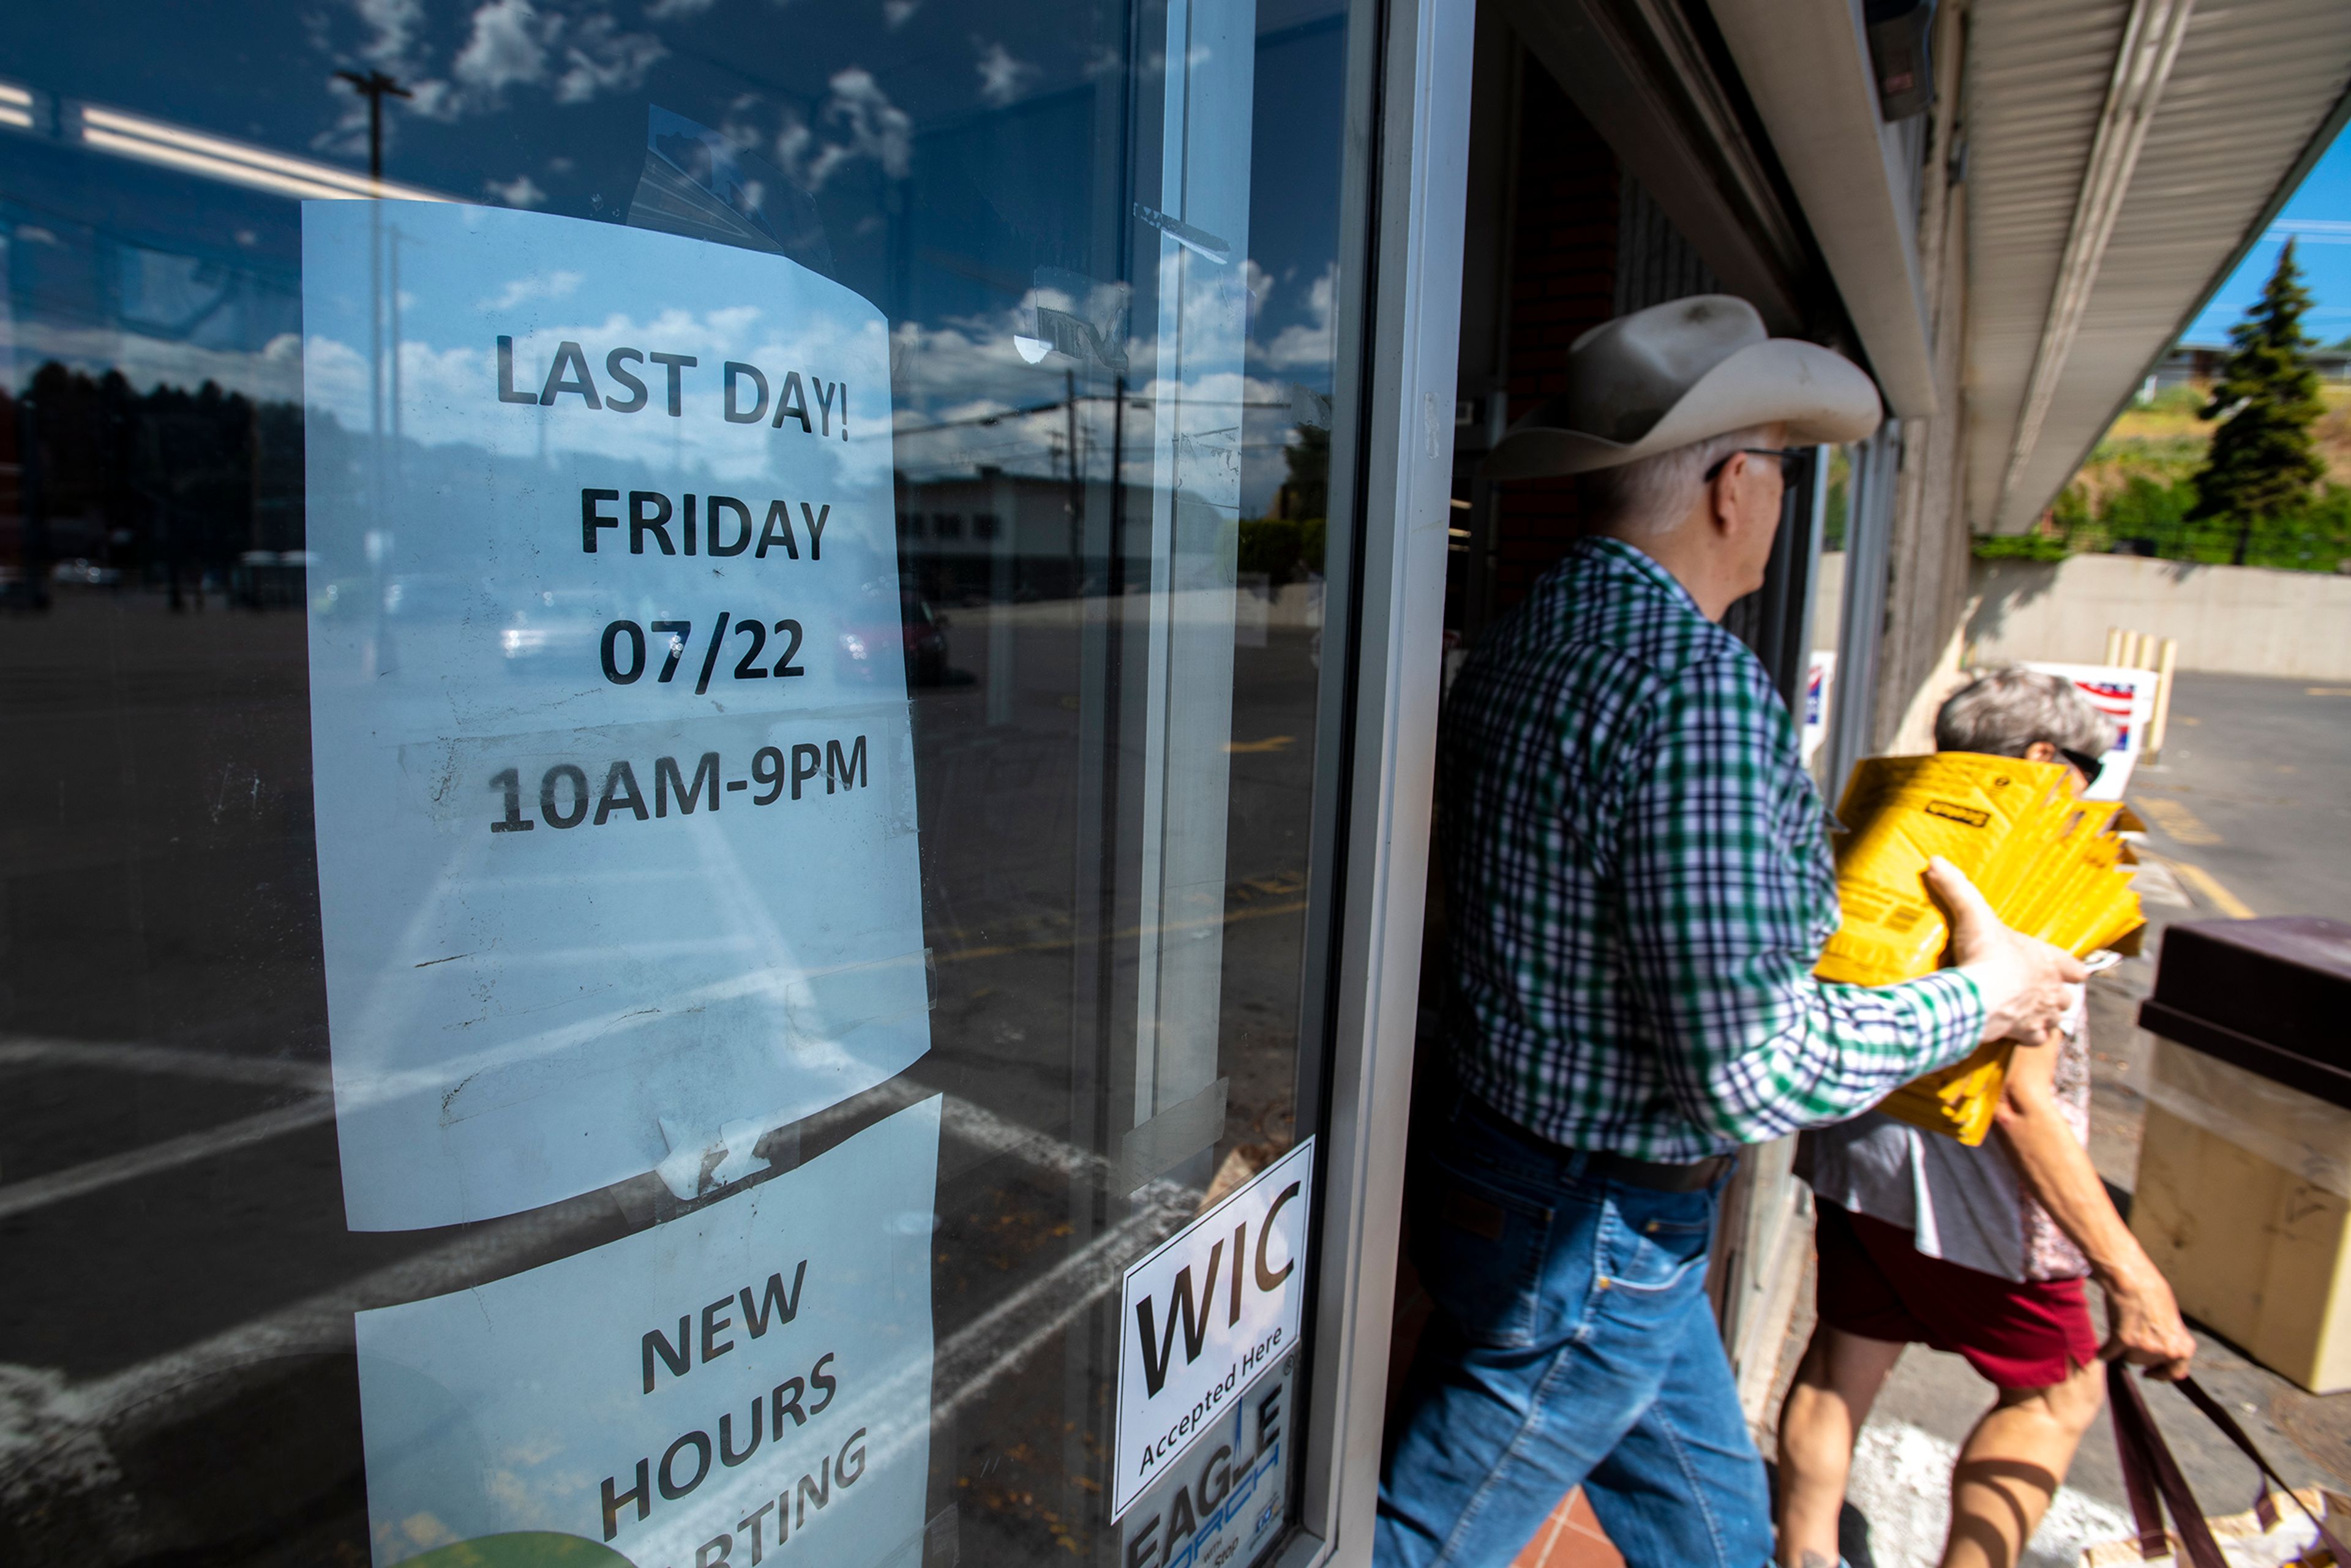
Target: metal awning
2121, 157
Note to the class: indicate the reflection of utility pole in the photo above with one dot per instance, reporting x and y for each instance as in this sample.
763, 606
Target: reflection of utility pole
1077, 493
374, 86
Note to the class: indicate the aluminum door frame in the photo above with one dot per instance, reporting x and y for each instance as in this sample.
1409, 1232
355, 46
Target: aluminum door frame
1398, 373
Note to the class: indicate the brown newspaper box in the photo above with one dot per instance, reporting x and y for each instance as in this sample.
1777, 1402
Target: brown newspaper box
2243, 1196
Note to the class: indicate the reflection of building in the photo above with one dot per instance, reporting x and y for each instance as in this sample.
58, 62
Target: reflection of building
2201, 364
1015, 537
998, 535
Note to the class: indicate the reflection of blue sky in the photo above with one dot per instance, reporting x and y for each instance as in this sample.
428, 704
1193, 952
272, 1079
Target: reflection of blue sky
2318, 215
951, 151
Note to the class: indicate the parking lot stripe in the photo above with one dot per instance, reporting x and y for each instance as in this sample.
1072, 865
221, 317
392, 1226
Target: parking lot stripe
75, 1181
2219, 897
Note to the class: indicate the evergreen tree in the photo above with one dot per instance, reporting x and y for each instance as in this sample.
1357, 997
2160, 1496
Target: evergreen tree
2262, 463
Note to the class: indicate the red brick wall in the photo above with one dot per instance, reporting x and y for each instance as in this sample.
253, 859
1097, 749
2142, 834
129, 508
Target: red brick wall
1562, 282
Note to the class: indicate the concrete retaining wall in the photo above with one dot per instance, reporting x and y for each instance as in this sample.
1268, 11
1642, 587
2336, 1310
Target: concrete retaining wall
2231, 620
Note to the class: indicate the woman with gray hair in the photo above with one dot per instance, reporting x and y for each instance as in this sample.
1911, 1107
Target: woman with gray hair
2011, 711
1978, 1250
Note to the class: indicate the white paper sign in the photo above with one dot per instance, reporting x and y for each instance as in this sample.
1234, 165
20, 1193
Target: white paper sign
613, 777
1226, 1498
2125, 696
1206, 1312
752, 1377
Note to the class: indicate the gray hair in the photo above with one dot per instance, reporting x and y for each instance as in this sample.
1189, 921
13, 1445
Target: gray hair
2007, 707
1651, 495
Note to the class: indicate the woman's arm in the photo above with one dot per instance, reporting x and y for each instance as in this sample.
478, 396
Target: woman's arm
2143, 1318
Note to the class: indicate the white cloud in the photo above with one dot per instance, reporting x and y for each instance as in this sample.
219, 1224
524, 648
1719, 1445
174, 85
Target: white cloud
273, 372
1307, 343
898, 12
507, 45
603, 60
391, 27
1257, 281
665, 10
964, 370
858, 121
538, 285
1002, 79
389, 42
522, 191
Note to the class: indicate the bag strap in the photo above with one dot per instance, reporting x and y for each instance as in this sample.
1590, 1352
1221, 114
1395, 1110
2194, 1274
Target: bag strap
2147, 1513
2149, 1471
2220, 1417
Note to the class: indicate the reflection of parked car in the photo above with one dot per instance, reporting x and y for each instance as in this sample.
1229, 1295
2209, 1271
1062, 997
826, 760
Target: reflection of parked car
919, 631
420, 599
553, 622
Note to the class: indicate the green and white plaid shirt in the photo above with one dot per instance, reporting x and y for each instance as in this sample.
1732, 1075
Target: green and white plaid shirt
1638, 884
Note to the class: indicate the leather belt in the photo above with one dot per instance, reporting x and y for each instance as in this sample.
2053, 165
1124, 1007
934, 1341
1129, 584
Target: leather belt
1657, 1176
1660, 1176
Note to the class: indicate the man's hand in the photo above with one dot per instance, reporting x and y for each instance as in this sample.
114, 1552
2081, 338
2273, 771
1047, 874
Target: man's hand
2145, 1329
2023, 978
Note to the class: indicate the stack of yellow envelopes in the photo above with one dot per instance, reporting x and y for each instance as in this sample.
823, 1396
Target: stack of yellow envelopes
2051, 865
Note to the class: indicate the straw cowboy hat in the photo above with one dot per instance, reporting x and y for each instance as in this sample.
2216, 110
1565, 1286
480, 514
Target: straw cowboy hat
1681, 372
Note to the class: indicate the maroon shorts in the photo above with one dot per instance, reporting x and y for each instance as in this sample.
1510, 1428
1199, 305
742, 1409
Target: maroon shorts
1875, 1284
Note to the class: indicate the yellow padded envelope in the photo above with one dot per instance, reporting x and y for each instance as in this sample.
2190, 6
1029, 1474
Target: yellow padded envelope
2050, 865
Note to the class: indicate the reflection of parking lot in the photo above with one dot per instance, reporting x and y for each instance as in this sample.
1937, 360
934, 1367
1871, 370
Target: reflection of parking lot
178, 1371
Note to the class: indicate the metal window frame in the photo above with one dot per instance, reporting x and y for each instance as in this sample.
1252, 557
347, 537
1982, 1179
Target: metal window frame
1861, 633
1411, 153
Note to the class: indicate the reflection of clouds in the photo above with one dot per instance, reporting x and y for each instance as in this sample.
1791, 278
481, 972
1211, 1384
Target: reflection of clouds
966, 370
858, 121
504, 47
1306, 344
555, 285
522, 191
272, 372
600, 57
1002, 79
573, 52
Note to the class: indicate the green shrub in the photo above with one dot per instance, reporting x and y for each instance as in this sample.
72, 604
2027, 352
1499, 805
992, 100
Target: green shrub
1283, 549
2021, 547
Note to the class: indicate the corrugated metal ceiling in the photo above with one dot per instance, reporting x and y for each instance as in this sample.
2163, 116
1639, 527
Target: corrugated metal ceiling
2254, 82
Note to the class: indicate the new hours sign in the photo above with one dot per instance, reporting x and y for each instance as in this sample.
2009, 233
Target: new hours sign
1204, 1313
613, 779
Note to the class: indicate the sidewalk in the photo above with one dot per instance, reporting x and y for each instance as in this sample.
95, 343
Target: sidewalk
1897, 1509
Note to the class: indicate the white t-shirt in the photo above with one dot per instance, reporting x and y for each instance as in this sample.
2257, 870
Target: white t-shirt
1965, 1205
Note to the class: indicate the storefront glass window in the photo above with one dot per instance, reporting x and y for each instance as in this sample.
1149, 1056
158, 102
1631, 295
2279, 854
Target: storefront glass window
670, 677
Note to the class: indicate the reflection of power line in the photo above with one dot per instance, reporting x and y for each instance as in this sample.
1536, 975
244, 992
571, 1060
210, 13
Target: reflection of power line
1060, 404
1000, 416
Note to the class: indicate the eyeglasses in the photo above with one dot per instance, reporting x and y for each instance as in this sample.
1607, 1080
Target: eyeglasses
2090, 766
1791, 460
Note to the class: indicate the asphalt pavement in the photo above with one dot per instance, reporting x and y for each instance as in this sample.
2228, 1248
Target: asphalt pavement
2249, 813
2253, 791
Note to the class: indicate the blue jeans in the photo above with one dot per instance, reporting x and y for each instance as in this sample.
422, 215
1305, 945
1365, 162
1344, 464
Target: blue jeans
1572, 1344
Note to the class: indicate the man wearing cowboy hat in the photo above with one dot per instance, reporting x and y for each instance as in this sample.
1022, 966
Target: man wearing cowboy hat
1638, 885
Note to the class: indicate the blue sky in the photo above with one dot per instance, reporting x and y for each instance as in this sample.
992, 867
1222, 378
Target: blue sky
2319, 215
